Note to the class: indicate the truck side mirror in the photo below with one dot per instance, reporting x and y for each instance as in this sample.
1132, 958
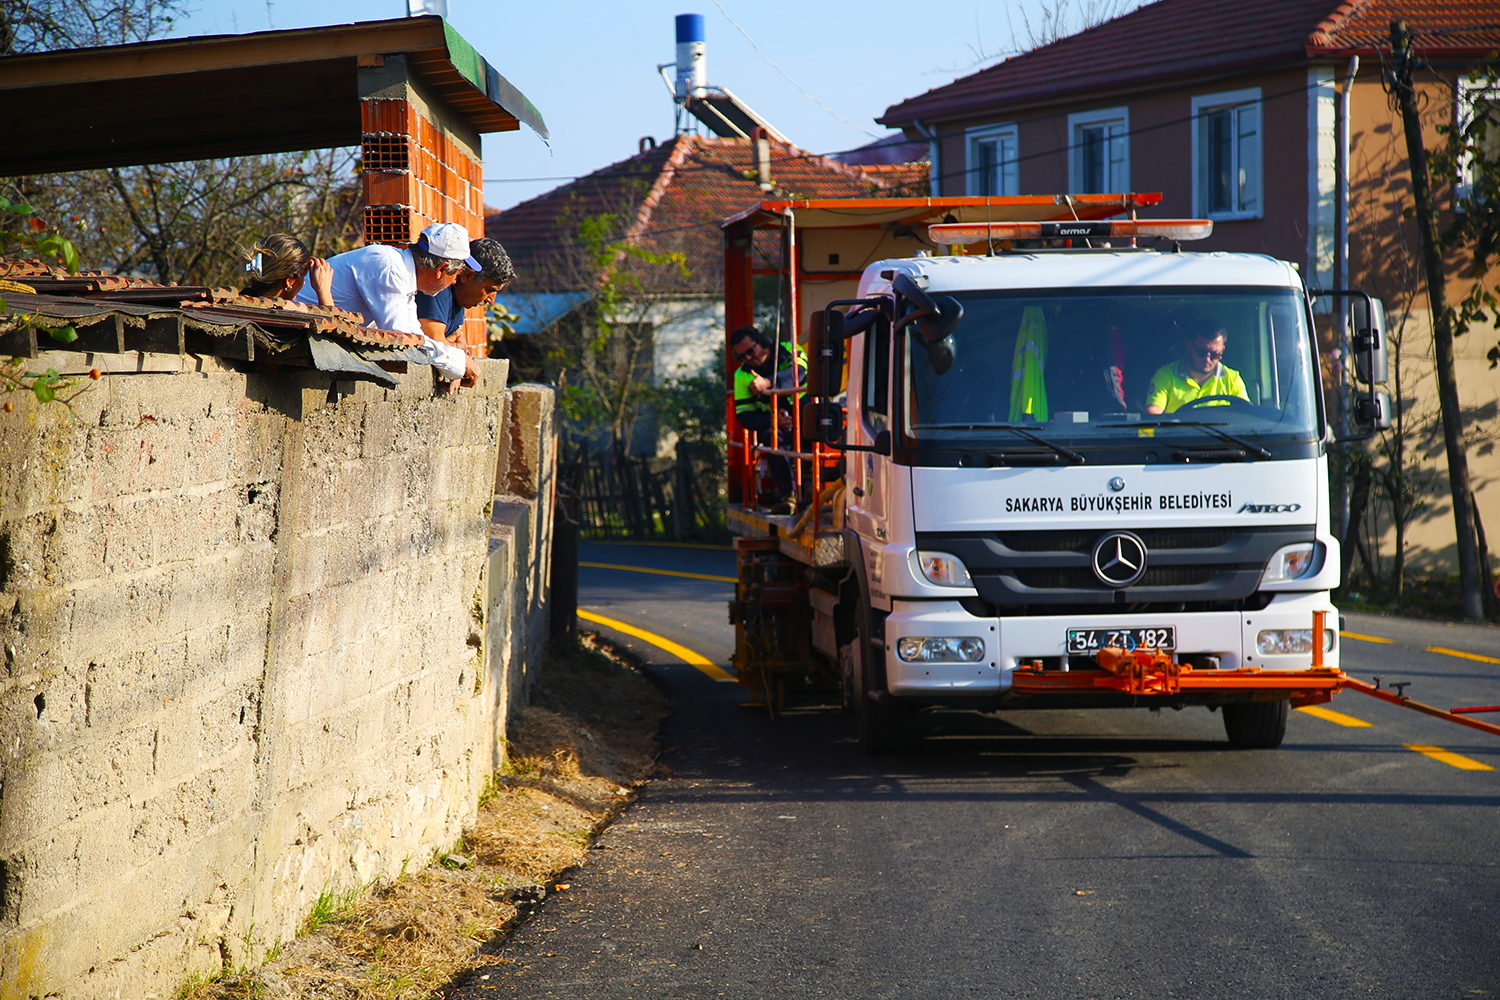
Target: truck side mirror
1372, 364
935, 317
1374, 411
830, 352
830, 417
882, 443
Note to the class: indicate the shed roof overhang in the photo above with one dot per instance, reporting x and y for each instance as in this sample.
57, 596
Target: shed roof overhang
233, 95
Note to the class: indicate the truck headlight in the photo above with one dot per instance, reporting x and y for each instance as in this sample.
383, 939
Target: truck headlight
947, 649
944, 570
1290, 562
1274, 641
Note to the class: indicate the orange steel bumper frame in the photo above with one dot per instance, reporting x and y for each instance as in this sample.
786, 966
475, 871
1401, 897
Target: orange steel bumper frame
1153, 672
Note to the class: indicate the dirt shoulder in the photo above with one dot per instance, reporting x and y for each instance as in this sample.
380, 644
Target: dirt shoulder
577, 756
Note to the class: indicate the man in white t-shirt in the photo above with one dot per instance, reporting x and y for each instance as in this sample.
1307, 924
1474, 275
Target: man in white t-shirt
381, 283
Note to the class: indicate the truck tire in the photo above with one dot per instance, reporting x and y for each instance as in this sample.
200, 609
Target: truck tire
1256, 725
882, 724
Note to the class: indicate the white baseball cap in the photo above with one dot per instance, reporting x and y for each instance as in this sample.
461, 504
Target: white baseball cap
450, 240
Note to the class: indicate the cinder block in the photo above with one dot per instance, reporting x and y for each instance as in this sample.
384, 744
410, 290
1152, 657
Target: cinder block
387, 189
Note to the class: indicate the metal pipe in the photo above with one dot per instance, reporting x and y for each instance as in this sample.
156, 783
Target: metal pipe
1404, 702
934, 175
1317, 638
1341, 316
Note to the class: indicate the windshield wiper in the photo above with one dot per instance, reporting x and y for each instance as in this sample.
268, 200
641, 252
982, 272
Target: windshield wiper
1213, 429
1072, 457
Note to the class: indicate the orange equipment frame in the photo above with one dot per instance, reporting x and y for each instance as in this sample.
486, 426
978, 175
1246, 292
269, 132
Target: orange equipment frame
858, 230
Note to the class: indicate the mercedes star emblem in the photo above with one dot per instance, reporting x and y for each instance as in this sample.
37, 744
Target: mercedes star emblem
1116, 484
1119, 559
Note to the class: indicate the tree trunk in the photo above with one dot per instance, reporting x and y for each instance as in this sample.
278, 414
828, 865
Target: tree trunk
1442, 328
1359, 499
1486, 574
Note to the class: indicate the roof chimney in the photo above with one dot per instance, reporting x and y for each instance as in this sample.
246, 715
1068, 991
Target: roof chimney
763, 158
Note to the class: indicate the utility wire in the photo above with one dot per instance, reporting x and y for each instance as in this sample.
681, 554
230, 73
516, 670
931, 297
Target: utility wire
794, 83
1053, 151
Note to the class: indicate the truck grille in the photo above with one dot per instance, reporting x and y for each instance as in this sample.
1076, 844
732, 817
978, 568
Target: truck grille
1083, 541
1076, 578
1208, 565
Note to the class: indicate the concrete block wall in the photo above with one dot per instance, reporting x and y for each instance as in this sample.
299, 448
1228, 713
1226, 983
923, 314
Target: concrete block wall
259, 636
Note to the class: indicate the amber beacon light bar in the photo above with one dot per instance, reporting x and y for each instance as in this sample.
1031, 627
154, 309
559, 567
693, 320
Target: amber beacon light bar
965, 233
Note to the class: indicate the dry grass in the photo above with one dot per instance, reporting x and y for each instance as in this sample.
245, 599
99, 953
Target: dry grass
577, 752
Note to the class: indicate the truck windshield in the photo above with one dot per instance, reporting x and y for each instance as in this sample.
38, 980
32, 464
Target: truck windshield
1102, 366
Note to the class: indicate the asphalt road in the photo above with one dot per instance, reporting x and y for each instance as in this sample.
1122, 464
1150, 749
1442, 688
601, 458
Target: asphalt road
1055, 855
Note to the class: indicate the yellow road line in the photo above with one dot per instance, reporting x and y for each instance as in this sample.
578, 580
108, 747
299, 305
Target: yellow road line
1366, 638
660, 572
1457, 760
671, 545
1459, 652
681, 652
1329, 715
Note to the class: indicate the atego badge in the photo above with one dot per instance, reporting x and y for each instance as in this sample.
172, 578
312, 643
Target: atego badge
1119, 558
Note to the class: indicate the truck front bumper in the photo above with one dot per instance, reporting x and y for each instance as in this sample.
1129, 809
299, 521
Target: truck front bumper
1027, 656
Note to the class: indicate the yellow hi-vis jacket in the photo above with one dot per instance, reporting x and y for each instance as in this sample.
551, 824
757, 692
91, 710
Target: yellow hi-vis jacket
1028, 383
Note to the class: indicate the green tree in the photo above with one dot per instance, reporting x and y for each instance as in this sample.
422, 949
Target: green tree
1469, 162
601, 354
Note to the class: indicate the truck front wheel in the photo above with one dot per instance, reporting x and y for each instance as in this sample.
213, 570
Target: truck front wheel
1256, 725
883, 722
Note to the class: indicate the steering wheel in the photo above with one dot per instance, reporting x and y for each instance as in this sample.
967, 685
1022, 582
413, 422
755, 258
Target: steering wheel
1232, 401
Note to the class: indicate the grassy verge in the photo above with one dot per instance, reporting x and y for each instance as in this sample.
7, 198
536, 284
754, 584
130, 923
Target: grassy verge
576, 756
1435, 597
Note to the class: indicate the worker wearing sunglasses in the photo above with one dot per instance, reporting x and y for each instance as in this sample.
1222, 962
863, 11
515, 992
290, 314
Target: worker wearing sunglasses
1199, 373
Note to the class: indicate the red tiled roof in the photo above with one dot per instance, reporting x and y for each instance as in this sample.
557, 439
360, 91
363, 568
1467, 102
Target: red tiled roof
1451, 27
1174, 39
669, 199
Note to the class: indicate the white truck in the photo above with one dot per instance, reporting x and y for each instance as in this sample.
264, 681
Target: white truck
996, 516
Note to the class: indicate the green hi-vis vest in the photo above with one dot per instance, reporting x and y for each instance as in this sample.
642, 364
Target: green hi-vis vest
746, 400
1028, 385
1171, 389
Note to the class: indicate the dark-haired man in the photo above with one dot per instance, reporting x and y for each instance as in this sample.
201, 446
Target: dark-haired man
1200, 373
442, 315
759, 375
381, 282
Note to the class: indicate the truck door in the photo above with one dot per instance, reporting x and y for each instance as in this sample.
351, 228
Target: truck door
868, 473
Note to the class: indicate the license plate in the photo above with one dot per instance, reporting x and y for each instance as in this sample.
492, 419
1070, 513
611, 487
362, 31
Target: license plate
1088, 641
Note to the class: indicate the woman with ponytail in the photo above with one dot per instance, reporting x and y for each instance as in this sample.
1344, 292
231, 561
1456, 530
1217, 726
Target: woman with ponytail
277, 266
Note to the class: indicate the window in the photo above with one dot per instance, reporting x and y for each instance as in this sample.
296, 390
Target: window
1478, 98
992, 161
1100, 163
1226, 155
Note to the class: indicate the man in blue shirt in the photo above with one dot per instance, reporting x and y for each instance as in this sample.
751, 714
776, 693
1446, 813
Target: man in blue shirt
442, 315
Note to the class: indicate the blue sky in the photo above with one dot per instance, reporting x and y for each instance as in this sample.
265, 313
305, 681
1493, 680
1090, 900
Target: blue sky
590, 67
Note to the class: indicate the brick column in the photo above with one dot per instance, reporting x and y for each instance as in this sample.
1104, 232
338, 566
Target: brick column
415, 175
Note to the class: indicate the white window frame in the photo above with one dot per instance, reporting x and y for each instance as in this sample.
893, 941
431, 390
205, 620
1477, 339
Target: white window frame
1117, 168
1469, 88
1253, 165
1007, 173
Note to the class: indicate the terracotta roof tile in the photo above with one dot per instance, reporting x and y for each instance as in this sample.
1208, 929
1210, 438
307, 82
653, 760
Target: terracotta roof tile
669, 199
275, 324
1174, 39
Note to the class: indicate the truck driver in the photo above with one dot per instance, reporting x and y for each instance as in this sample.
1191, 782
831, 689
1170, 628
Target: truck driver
1199, 373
